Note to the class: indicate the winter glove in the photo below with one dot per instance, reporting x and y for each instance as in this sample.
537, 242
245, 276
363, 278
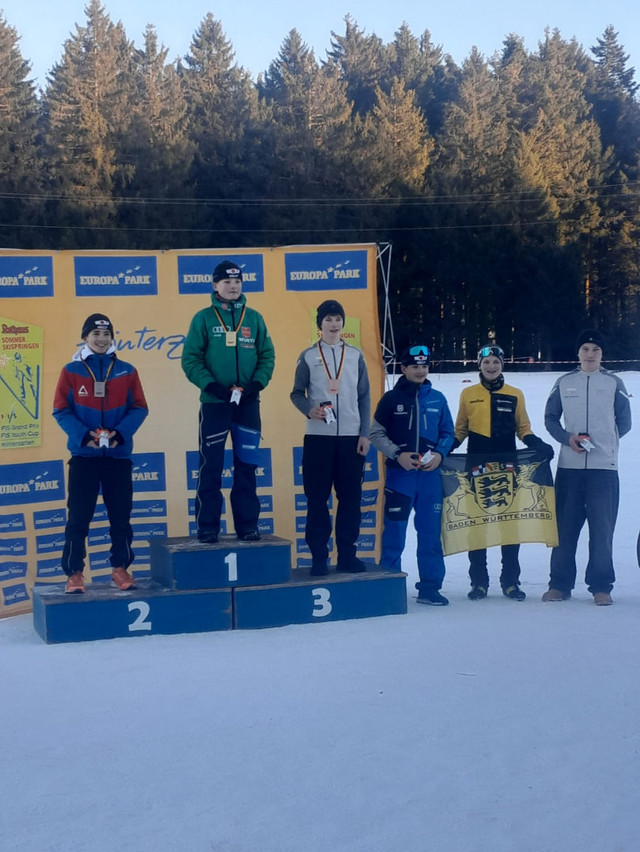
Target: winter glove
216, 389
537, 444
251, 392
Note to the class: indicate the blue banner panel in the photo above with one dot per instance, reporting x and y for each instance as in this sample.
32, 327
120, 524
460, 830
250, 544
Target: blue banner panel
31, 482
50, 518
148, 472
12, 523
326, 270
26, 277
13, 571
116, 276
195, 272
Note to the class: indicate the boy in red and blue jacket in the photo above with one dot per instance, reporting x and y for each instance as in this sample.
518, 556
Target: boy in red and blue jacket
413, 428
100, 404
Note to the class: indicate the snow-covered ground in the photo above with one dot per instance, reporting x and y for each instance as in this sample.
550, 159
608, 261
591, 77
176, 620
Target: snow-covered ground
489, 726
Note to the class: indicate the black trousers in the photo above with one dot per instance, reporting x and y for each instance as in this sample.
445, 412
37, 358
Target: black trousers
510, 574
217, 420
591, 496
87, 477
332, 461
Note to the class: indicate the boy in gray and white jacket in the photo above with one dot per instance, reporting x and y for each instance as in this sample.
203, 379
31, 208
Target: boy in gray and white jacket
594, 406
331, 388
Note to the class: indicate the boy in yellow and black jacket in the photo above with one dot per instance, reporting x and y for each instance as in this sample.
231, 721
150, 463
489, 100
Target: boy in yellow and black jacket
491, 415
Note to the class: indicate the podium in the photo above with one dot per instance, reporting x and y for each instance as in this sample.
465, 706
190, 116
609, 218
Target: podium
229, 585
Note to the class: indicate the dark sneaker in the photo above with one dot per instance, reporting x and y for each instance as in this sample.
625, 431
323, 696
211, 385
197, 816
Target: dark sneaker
555, 595
207, 537
249, 535
432, 598
477, 593
514, 592
319, 568
351, 566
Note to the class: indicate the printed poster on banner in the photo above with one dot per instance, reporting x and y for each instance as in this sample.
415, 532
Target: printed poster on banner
21, 356
495, 502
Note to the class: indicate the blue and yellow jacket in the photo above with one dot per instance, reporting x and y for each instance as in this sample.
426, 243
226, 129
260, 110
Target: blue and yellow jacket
79, 411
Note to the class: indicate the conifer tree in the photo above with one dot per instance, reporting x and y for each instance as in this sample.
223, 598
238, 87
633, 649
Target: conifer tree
86, 115
19, 162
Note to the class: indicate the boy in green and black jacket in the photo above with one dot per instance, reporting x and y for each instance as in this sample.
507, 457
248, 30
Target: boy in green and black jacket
229, 355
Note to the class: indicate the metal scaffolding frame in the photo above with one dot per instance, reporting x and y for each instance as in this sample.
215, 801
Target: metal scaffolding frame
388, 339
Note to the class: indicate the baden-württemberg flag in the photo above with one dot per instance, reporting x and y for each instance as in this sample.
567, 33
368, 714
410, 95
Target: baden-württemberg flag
505, 500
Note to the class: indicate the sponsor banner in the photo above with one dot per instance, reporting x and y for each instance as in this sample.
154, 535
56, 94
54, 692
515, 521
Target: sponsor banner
195, 272
265, 526
369, 498
20, 384
489, 503
13, 570
191, 505
149, 509
98, 536
13, 547
366, 542
32, 482
148, 472
111, 275
368, 520
301, 523
15, 594
26, 277
53, 543
48, 569
142, 532
264, 471
98, 562
297, 468
142, 555
147, 339
193, 528
100, 513
12, 523
302, 546
50, 518
266, 502
300, 503
331, 270
371, 472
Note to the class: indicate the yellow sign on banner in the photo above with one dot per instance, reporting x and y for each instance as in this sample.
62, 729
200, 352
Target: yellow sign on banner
510, 501
20, 384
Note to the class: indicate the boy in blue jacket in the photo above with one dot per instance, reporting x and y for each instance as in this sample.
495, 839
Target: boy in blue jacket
413, 428
100, 404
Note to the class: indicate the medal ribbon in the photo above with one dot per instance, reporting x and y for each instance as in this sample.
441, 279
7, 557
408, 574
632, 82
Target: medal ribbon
326, 366
92, 374
244, 308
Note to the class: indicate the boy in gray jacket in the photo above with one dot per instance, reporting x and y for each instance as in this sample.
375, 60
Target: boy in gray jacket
594, 406
331, 388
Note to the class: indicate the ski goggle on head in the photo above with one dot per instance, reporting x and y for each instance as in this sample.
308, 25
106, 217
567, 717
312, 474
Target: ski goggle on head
417, 356
486, 351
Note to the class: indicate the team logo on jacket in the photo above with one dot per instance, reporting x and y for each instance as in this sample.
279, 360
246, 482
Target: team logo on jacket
494, 486
83, 391
245, 332
400, 408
